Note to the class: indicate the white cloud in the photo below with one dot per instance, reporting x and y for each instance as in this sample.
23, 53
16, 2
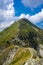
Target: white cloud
5, 25
32, 3
7, 10
24, 16
7, 13
10, 6
37, 17
34, 18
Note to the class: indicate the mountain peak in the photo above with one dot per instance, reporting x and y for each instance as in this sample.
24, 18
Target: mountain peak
20, 41
22, 29
24, 19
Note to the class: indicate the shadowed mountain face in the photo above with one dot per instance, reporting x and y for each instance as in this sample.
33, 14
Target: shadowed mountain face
23, 30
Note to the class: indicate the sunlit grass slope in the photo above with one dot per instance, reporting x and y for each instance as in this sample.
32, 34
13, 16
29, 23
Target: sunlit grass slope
21, 56
23, 28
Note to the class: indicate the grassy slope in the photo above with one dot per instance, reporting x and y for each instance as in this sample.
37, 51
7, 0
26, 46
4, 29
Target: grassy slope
22, 55
8, 33
26, 27
23, 26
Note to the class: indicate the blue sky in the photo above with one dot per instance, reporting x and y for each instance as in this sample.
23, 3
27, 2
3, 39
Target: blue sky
20, 8
12, 10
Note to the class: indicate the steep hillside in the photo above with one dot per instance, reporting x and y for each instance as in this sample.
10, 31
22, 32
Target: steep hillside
20, 44
23, 30
14, 55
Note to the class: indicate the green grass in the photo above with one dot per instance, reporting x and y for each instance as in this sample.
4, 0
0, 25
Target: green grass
22, 55
8, 33
23, 26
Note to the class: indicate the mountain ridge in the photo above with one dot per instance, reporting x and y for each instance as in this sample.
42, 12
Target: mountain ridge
22, 24
20, 44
